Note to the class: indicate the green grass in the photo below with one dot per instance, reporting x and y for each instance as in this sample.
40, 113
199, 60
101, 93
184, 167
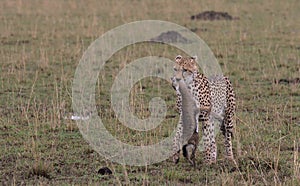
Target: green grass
40, 47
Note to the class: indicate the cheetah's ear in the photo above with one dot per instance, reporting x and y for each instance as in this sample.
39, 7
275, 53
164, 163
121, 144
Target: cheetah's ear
178, 58
194, 58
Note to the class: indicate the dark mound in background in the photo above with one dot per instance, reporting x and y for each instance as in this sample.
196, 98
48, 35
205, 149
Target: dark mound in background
212, 15
170, 37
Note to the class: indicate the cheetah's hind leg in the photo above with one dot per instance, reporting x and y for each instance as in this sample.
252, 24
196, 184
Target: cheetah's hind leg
227, 130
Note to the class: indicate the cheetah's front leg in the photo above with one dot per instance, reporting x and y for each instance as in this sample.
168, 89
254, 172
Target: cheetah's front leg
209, 141
177, 144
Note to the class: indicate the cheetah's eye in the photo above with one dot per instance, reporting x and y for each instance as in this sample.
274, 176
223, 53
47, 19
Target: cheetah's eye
194, 58
178, 57
175, 69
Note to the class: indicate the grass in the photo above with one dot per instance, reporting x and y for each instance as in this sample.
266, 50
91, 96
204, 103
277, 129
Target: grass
43, 41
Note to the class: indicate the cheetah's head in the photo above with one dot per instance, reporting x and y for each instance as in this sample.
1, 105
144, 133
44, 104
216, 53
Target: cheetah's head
186, 63
185, 67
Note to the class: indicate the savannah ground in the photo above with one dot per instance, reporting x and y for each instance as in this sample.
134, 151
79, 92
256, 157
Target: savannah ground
43, 41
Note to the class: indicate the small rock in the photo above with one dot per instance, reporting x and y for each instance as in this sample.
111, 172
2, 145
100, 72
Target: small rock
104, 171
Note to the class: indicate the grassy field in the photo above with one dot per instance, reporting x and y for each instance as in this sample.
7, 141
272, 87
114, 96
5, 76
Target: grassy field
40, 47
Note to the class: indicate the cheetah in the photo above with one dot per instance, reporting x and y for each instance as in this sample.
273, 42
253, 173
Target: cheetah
217, 96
